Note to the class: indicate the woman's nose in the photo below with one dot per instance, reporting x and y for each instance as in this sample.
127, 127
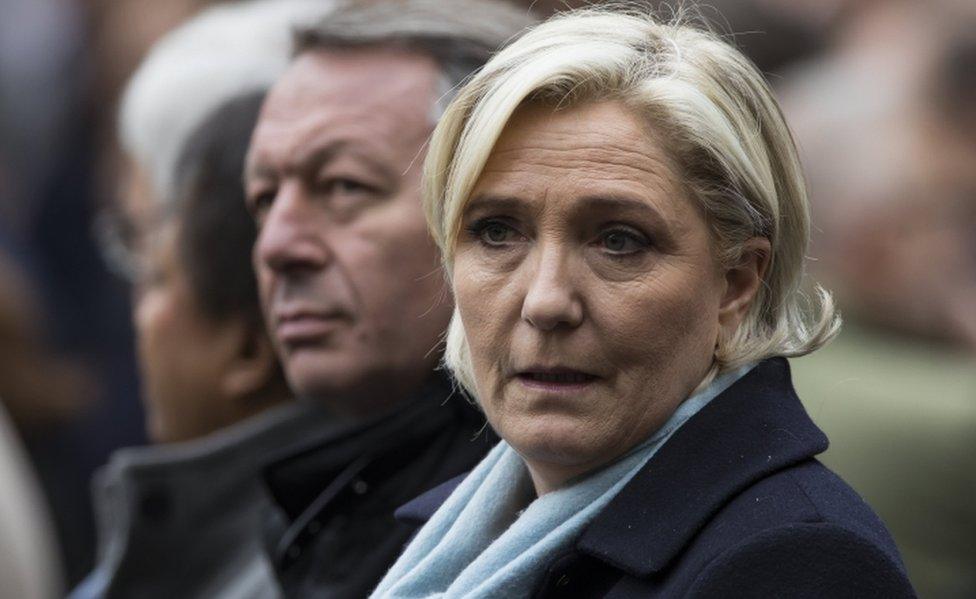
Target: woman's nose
551, 299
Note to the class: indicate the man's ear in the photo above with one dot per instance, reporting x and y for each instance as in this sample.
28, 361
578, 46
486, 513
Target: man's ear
253, 362
742, 282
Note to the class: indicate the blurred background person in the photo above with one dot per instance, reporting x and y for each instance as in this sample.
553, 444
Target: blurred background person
57, 109
885, 121
68, 376
29, 562
182, 518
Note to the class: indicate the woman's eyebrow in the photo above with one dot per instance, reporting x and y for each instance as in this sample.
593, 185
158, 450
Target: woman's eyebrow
614, 203
488, 202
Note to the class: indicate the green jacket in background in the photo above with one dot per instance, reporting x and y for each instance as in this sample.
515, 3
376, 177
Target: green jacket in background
901, 418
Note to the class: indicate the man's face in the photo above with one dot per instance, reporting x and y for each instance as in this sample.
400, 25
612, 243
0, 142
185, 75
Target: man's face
349, 279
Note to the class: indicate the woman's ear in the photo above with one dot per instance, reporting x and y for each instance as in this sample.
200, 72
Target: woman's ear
253, 363
742, 282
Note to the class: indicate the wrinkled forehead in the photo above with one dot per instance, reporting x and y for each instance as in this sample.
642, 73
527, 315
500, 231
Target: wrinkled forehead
600, 148
371, 91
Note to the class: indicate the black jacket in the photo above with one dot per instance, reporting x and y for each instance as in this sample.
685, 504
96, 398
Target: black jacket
333, 534
733, 505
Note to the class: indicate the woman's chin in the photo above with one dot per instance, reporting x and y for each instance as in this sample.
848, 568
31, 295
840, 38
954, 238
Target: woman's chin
559, 443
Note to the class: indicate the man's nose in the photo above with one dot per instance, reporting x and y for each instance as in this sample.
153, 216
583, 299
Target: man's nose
290, 238
552, 299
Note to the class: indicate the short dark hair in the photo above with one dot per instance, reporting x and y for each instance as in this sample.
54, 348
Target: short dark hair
215, 232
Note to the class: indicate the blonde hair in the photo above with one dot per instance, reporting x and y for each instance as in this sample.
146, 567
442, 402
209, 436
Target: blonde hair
720, 124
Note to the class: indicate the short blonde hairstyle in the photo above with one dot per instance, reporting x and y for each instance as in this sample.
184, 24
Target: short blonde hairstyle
719, 122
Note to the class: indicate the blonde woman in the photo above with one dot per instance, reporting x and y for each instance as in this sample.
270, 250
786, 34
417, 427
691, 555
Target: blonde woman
623, 223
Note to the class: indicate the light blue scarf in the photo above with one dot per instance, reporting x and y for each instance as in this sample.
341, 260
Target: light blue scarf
478, 543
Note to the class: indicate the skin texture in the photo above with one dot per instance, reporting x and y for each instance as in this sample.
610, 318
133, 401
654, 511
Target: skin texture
579, 251
198, 375
348, 277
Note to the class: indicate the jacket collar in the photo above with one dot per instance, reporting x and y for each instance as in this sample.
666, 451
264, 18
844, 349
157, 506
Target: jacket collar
183, 487
297, 476
755, 427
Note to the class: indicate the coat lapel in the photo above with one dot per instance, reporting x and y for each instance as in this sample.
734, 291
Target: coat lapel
754, 428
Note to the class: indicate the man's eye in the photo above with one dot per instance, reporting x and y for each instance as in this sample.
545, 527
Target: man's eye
494, 232
344, 186
623, 241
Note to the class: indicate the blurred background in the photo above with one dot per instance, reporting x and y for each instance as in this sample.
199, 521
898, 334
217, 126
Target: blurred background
881, 95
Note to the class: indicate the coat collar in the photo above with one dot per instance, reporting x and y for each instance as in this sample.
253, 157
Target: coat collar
755, 427
183, 489
297, 476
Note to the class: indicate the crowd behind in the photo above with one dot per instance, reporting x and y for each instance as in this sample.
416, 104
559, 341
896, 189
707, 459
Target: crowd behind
881, 97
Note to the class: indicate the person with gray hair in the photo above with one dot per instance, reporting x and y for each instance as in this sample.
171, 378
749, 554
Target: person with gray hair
181, 518
623, 223
349, 282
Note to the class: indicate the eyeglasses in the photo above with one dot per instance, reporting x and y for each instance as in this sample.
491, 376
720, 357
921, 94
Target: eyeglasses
118, 243
124, 245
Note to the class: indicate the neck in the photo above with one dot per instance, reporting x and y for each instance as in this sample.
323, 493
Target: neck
372, 400
549, 477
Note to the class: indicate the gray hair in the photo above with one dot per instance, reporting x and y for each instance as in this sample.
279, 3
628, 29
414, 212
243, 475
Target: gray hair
460, 35
719, 120
225, 51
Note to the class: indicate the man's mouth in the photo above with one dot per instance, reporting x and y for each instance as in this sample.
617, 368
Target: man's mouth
298, 328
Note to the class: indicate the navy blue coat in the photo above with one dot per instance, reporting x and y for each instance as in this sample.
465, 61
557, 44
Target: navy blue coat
733, 505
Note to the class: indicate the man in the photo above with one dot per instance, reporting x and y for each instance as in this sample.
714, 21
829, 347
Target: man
349, 280
181, 518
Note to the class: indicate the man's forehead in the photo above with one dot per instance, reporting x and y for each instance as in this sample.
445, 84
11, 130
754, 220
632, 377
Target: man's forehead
377, 95
398, 80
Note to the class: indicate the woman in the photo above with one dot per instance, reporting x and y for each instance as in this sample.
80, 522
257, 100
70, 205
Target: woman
623, 222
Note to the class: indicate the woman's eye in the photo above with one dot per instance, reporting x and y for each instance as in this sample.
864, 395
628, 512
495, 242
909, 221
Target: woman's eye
495, 232
623, 242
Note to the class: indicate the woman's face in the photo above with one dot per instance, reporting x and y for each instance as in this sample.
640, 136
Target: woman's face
182, 352
587, 287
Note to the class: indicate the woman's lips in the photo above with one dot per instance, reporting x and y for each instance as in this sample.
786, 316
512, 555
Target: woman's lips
556, 380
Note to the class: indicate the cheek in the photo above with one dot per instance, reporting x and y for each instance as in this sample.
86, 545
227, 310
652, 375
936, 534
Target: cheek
478, 298
171, 334
663, 328
154, 317
489, 312
389, 253
262, 274
389, 269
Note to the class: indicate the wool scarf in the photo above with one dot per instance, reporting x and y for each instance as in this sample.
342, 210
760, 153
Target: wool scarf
494, 538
